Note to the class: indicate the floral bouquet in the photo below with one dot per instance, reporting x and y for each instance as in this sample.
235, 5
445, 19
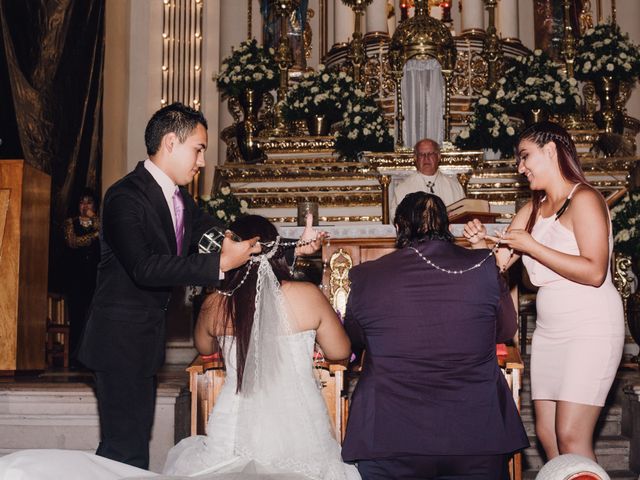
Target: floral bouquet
225, 206
534, 82
248, 67
605, 51
489, 126
363, 128
625, 219
322, 92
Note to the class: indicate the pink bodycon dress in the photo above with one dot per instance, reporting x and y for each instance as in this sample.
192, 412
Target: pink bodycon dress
579, 335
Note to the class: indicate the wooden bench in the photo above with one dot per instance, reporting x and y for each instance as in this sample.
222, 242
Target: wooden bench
206, 378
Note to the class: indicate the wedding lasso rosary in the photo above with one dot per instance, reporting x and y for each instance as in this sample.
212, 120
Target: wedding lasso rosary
273, 245
461, 271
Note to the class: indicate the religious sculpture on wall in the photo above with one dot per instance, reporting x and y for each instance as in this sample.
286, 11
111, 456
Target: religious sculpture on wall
298, 30
549, 24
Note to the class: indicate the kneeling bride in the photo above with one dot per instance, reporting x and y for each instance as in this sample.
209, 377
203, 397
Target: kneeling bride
270, 420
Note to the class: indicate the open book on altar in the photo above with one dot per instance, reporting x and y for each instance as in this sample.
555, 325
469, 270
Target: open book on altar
467, 209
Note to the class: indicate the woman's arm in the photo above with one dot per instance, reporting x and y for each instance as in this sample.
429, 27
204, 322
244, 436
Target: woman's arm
209, 319
330, 333
77, 241
587, 217
476, 233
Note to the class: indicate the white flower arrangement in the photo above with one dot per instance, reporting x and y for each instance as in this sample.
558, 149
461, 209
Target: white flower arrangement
489, 126
625, 219
248, 67
605, 51
323, 92
225, 206
534, 82
363, 128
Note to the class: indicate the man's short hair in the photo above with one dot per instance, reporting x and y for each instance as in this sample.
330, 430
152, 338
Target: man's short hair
175, 118
426, 140
421, 216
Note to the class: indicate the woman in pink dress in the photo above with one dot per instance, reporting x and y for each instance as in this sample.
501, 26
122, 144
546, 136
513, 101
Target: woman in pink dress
564, 237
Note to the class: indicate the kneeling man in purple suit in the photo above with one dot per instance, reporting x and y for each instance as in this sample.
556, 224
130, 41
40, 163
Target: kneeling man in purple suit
432, 402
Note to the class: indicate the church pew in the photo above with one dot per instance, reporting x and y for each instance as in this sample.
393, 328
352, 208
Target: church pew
207, 375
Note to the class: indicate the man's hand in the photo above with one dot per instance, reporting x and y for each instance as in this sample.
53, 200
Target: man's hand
308, 234
235, 254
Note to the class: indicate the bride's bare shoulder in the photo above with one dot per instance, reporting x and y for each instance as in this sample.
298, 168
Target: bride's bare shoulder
302, 292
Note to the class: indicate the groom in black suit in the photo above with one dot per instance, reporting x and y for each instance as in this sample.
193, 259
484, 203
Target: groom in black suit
150, 229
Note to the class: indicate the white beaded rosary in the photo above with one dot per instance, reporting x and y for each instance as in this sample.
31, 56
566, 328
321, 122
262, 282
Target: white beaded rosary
274, 245
456, 272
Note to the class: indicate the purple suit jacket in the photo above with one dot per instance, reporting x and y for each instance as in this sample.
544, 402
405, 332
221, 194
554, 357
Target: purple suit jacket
431, 384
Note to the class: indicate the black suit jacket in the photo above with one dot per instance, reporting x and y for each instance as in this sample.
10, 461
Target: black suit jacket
431, 384
139, 266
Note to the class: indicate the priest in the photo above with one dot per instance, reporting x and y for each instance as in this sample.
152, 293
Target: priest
428, 177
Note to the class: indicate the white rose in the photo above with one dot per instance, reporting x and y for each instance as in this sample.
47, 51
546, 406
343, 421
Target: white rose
232, 218
483, 101
325, 77
244, 204
607, 41
366, 131
510, 131
464, 134
220, 214
610, 67
357, 120
500, 93
537, 52
225, 190
352, 135
205, 198
257, 76
560, 100
530, 81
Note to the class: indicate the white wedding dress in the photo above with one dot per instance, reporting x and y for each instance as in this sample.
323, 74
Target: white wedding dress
277, 427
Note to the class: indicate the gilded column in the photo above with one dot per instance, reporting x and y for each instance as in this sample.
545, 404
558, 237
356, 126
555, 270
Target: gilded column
376, 17
343, 21
508, 27
472, 12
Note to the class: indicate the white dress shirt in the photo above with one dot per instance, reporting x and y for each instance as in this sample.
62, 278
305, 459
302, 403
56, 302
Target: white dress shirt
166, 184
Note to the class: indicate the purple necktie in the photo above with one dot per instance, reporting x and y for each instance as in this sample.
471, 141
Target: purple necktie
178, 207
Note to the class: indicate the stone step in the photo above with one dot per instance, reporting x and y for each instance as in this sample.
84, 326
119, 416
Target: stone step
612, 453
65, 416
609, 424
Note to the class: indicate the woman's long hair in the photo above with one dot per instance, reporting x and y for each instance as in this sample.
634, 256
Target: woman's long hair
239, 308
421, 216
568, 161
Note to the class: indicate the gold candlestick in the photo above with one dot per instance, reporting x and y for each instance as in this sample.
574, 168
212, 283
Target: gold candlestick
284, 58
357, 54
569, 40
492, 48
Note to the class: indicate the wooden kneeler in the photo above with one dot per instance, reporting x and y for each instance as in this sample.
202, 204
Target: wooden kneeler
206, 377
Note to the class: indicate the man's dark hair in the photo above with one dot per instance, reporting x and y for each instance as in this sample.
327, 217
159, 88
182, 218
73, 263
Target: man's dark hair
421, 216
176, 118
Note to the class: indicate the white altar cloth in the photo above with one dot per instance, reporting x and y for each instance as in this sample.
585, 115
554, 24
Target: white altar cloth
372, 230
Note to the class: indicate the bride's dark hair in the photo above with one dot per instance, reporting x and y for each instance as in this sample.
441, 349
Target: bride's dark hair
239, 308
